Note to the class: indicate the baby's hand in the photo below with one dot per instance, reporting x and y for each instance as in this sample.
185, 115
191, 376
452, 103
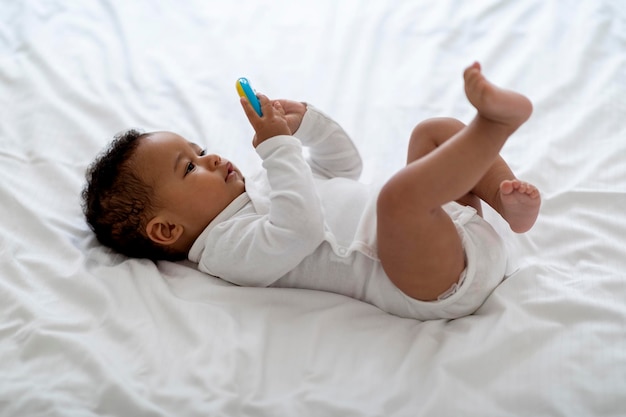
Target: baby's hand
272, 123
294, 112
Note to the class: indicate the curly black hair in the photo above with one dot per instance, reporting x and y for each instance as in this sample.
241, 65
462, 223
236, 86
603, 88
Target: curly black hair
117, 204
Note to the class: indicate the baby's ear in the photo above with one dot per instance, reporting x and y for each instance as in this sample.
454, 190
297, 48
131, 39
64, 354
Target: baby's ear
163, 232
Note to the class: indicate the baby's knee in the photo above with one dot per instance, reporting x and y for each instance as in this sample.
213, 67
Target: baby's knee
436, 130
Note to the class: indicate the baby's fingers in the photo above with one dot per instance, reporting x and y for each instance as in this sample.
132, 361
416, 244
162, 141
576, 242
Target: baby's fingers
251, 114
267, 106
278, 107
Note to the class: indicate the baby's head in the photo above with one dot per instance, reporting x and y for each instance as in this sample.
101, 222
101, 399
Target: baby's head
150, 195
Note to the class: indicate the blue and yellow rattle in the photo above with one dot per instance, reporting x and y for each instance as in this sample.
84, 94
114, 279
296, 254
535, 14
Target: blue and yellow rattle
245, 90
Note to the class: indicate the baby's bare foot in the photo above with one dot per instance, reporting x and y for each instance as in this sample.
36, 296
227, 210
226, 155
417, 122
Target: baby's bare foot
494, 103
520, 203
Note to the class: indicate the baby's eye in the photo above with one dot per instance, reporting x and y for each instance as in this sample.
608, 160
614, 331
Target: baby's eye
190, 167
202, 152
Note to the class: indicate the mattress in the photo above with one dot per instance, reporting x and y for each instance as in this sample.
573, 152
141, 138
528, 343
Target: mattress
88, 332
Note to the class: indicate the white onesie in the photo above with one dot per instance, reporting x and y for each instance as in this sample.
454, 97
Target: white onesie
308, 223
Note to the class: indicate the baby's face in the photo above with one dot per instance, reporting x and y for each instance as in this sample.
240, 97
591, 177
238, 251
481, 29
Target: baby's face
190, 186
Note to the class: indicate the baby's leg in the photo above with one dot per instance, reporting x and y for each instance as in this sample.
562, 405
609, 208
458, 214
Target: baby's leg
419, 246
428, 136
517, 201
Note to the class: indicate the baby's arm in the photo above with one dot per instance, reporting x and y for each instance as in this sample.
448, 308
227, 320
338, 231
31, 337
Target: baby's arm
331, 151
257, 248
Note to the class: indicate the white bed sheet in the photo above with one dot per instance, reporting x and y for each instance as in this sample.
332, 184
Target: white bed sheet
85, 332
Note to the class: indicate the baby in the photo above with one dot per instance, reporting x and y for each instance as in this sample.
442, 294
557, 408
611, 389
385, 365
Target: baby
416, 247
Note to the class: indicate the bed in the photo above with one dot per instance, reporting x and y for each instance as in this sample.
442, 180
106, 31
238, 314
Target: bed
87, 332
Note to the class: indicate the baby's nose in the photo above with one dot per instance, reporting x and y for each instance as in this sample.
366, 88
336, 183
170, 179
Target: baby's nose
214, 160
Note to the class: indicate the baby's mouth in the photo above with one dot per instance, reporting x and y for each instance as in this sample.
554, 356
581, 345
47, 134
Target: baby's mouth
229, 171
